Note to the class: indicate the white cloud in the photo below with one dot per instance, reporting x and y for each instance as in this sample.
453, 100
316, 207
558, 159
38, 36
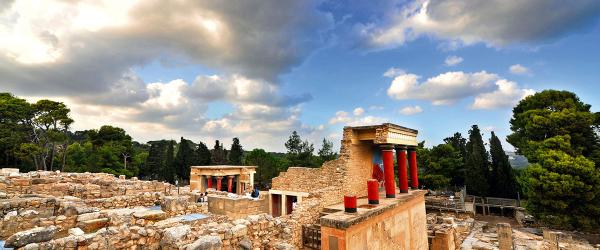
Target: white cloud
488, 129
519, 69
411, 110
344, 117
375, 107
453, 60
507, 95
393, 72
443, 89
358, 111
494, 22
489, 90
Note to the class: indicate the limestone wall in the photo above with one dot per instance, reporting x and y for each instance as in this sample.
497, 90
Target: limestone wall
239, 207
144, 199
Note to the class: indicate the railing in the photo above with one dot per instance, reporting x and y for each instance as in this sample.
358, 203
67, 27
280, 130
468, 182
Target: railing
311, 237
444, 204
501, 202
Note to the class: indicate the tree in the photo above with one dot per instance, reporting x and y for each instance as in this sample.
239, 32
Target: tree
477, 165
502, 177
16, 118
558, 135
169, 166
459, 143
268, 166
218, 154
203, 154
185, 158
236, 152
156, 160
445, 167
299, 153
326, 152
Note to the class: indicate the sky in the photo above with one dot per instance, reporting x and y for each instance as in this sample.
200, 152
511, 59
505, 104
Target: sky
260, 69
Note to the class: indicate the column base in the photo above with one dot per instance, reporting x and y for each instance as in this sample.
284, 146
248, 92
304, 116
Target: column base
404, 191
373, 202
350, 210
390, 195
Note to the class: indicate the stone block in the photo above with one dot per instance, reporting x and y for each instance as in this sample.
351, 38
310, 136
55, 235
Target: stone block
152, 215
206, 243
88, 216
93, 225
35, 235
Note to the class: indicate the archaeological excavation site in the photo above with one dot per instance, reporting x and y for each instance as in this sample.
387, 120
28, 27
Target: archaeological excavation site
367, 198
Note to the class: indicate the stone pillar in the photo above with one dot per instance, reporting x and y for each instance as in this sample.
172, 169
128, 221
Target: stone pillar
387, 153
238, 185
412, 163
252, 180
283, 204
209, 181
402, 172
219, 182
504, 236
230, 184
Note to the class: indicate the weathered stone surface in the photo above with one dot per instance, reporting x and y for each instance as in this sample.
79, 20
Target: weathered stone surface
239, 230
245, 244
206, 243
174, 234
76, 231
284, 246
35, 235
92, 225
88, 216
153, 215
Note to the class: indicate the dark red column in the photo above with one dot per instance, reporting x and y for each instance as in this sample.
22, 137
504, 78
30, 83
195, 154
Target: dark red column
350, 204
209, 179
388, 172
219, 182
402, 172
412, 162
229, 184
373, 191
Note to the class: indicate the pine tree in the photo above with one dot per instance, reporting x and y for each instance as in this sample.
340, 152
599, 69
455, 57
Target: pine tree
460, 144
236, 152
155, 161
502, 177
326, 152
477, 165
203, 155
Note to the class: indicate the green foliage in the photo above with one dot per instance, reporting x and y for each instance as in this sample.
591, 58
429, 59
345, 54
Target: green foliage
476, 164
299, 153
203, 154
169, 167
268, 166
434, 181
236, 152
441, 167
326, 152
186, 157
558, 134
219, 154
502, 177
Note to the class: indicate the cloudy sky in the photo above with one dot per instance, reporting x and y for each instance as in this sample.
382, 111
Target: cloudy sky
259, 69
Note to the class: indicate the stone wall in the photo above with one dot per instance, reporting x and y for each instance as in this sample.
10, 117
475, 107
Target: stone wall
82, 185
145, 199
237, 207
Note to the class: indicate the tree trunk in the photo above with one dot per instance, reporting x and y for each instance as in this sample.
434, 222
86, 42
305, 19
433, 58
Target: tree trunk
52, 157
64, 159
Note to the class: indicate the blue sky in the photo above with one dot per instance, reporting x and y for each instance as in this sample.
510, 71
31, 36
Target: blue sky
216, 70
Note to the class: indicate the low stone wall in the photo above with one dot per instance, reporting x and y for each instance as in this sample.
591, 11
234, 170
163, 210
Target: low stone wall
237, 207
145, 199
43, 205
179, 205
82, 185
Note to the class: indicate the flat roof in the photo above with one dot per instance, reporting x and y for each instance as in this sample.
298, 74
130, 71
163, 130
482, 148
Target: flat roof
391, 125
222, 167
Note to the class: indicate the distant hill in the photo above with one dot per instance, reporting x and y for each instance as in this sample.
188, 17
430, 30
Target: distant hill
517, 161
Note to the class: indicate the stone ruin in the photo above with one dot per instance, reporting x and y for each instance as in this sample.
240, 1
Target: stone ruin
53, 210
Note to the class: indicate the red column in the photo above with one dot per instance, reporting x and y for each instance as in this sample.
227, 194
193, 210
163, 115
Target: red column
219, 182
412, 162
402, 173
373, 191
350, 204
229, 184
209, 179
388, 171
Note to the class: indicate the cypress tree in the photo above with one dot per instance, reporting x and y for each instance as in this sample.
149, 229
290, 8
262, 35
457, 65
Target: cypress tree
169, 166
236, 152
184, 159
203, 155
502, 178
477, 165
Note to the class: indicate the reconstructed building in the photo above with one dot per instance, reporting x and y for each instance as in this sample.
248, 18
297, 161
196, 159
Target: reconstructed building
367, 152
233, 179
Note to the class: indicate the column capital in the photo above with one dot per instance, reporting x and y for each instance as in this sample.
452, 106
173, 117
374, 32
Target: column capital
400, 147
230, 176
219, 177
411, 149
386, 147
